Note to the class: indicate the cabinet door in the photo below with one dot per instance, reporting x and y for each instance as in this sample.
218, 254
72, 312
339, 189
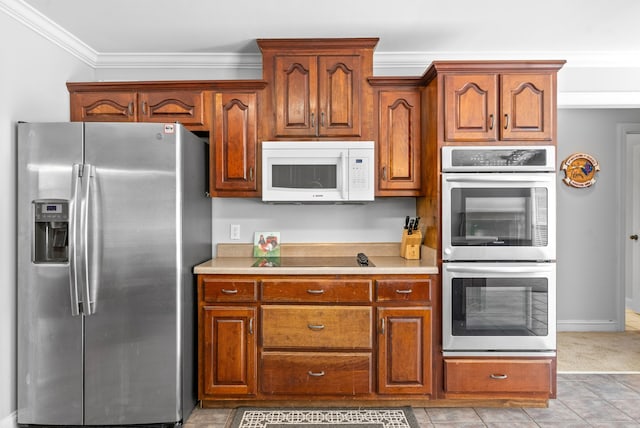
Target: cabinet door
527, 102
339, 95
404, 350
399, 142
296, 95
471, 107
103, 106
234, 142
228, 351
186, 107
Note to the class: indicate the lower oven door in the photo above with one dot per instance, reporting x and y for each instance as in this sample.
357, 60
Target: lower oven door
499, 306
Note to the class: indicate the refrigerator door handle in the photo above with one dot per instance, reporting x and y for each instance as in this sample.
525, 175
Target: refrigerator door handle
88, 305
73, 236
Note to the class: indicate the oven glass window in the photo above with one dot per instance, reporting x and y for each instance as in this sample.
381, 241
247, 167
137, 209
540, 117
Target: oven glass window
500, 307
304, 176
499, 217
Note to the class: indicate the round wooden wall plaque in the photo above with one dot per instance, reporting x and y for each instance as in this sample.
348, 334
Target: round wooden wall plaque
580, 170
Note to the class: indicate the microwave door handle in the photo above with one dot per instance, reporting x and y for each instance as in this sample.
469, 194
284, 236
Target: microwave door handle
501, 269
345, 179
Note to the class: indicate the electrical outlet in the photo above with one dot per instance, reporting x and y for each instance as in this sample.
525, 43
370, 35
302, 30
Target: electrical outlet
234, 232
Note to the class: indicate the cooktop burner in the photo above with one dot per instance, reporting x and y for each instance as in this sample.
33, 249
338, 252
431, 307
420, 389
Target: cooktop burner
310, 262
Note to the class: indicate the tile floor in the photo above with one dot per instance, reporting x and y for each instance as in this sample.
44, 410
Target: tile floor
584, 400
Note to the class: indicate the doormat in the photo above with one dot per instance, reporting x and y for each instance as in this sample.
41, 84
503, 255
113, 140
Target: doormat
251, 417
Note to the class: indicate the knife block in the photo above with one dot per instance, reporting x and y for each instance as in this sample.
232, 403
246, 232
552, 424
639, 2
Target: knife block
410, 245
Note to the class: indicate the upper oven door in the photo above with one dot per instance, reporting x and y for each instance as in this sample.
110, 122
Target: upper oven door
498, 216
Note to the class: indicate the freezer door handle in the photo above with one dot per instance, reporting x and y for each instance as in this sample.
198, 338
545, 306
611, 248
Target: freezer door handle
73, 236
88, 306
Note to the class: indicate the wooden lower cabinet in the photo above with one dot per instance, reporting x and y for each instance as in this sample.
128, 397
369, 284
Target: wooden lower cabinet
359, 339
316, 373
499, 377
228, 351
404, 350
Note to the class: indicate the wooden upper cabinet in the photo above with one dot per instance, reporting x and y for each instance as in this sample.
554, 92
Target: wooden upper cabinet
497, 101
492, 107
317, 96
527, 103
103, 107
399, 142
184, 106
318, 86
471, 107
234, 142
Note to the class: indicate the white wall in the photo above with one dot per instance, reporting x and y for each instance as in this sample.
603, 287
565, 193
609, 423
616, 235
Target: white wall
32, 88
590, 280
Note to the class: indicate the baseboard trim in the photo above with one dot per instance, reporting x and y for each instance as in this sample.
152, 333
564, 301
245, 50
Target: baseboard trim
581, 325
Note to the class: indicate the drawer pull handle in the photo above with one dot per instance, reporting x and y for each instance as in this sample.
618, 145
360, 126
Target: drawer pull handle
315, 291
315, 327
404, 291
498, 376
315, 374
225, 291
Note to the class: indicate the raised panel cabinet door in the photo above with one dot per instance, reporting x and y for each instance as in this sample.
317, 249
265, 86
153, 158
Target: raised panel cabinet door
404, 350
339, 98
228, 351
471, 107
527, 103
399, 141
103, 106
234, 142
296, 94
186, 107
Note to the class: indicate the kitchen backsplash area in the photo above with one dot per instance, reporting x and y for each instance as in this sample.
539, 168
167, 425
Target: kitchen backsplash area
378, 221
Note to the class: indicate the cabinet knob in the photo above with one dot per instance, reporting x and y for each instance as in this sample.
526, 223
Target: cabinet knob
634, 237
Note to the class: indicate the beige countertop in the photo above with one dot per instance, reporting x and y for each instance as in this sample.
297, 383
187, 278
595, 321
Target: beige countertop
238, 259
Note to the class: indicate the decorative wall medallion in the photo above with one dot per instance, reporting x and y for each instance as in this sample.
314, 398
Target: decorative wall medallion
580, 170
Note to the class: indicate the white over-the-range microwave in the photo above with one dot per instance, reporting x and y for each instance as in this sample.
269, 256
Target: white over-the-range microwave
318, 171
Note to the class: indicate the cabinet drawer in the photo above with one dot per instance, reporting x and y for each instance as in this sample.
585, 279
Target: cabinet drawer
401, 290
498, 376
287, 326
229, 290
316, 373
316, 290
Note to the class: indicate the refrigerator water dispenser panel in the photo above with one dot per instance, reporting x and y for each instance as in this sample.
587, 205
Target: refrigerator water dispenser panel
50, 231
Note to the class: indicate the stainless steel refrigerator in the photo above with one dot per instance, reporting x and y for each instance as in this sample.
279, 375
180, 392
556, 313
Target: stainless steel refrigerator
112, 217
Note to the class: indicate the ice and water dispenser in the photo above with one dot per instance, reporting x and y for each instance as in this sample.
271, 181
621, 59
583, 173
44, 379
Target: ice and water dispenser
51, 231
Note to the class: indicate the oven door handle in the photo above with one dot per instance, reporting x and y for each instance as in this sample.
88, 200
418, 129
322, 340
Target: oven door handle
501, 269
504, 178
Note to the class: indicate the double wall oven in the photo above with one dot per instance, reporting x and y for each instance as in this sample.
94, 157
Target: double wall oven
498, 249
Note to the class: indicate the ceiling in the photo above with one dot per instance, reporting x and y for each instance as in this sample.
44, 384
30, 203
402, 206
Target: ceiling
456, 26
